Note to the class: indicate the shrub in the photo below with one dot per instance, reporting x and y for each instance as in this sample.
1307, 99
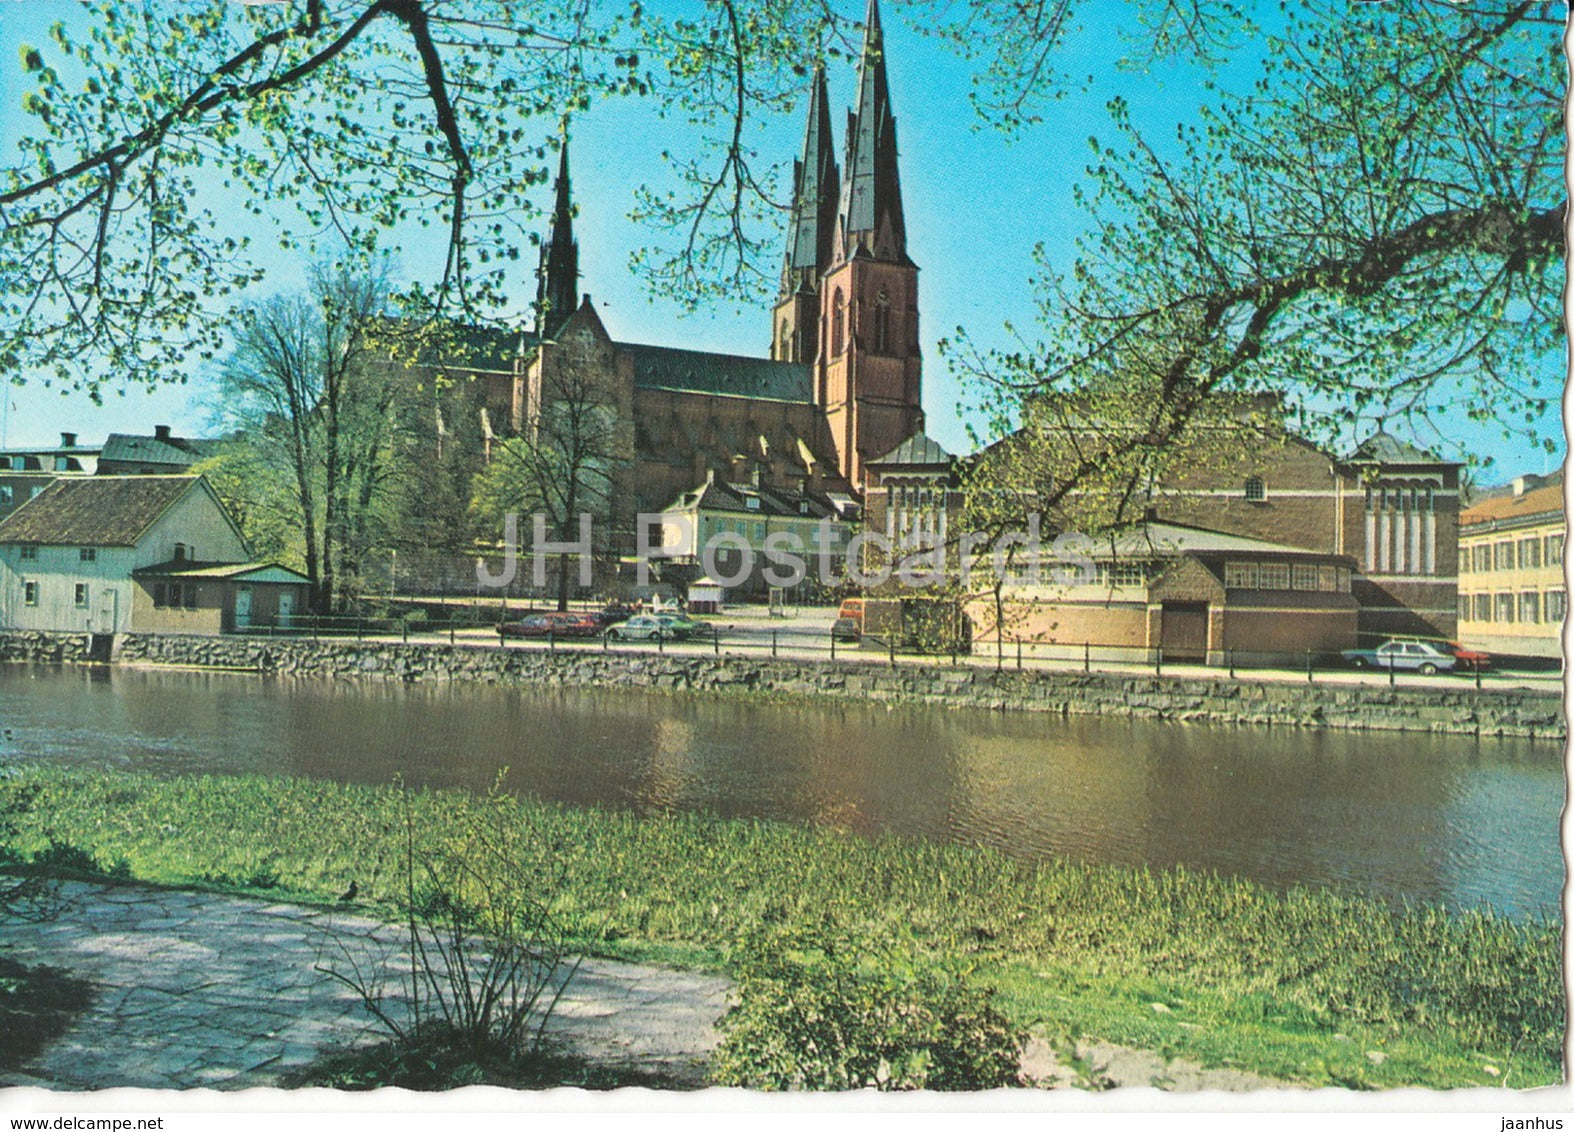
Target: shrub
818, 1009
485, 958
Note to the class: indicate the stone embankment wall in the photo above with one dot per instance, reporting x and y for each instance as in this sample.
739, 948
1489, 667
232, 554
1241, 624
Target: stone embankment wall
45, 648
1443, 706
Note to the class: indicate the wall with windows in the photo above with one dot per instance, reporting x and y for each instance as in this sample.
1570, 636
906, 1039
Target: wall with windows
1512, 594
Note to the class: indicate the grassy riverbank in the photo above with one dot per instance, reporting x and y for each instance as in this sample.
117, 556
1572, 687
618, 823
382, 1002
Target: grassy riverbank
1310, 986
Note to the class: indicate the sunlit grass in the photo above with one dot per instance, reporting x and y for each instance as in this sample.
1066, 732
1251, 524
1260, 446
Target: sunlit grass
1310, 986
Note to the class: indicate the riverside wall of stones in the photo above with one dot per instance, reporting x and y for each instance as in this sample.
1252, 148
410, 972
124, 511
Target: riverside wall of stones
1455, 708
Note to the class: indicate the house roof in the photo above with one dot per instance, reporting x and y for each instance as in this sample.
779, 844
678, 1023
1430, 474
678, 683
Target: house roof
178, 451
219, 570
1536, 502
734, 498
96, 510
916, 449
1381, 448
725, 375
1173, 538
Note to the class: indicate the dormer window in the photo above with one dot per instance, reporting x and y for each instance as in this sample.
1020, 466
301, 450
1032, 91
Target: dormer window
752, 502
1256, 490
180, 552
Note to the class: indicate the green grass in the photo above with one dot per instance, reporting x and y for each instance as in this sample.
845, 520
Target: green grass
1302, 986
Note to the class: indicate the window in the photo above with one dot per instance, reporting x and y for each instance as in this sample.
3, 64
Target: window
1483, 609
7, 494
192, 592
1240, 575
88, 554
1303, 576
160, 595
1122, 574
1503, 556
1554, 550
759, 531
1503, 608
1464, 607
838, 319
752, 502
1464, 561
1530, 608
882, 324
1483, 556
81, 595
29, 593
28, 552
1273, 576
1556, 606
1328, 579
1529, 553
1256, 490
180, 552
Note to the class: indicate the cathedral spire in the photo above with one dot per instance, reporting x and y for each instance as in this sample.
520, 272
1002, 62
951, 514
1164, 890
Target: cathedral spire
812, 229
558, 286
871, 208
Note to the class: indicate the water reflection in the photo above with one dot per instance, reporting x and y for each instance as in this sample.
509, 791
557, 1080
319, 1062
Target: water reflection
1426, 817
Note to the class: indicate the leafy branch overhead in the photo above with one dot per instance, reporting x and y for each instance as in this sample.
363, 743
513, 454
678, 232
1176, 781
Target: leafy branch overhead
1386, 202
1375, 231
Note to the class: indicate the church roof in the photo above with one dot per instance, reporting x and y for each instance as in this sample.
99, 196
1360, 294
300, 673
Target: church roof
816, 190
763, 500
720, 375
1381, 448
916, 449
1153, 536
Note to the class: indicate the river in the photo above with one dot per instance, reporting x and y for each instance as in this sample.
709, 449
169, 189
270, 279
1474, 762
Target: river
1421, 817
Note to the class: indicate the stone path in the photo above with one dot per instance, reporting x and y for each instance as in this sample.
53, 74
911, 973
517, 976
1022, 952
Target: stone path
197, 990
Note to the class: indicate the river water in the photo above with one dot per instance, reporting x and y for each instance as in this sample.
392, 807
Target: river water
1431, 818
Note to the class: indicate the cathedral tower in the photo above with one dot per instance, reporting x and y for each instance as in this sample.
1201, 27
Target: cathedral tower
557, 286
811, 235
868, 365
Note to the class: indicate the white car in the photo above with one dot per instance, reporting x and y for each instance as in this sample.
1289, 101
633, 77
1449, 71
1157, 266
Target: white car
1424, 657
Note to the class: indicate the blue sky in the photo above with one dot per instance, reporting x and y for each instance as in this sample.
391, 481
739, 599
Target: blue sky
977, 202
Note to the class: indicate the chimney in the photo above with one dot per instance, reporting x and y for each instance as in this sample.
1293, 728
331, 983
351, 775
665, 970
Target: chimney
68, 440
161, 432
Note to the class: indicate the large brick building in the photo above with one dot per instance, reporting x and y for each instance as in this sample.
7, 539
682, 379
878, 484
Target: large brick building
841, 385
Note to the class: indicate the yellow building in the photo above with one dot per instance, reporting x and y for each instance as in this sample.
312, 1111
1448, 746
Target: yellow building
1512, 596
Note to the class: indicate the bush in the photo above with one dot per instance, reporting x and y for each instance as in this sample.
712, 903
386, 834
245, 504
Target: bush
817, 1009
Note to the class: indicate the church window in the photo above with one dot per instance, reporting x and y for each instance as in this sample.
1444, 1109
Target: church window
882, 324
1256, 491
838, 320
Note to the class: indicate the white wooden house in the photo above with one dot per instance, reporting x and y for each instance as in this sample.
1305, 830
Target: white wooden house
91, 555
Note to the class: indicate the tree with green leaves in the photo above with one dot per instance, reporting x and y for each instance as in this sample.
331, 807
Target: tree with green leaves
570, 460
313, 386
1374, 233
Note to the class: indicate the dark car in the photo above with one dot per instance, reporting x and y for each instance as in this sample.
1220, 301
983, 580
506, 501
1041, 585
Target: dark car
847, 629
555, 625
615, 611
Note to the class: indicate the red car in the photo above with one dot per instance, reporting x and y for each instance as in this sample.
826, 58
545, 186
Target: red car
1470, 660
556, 625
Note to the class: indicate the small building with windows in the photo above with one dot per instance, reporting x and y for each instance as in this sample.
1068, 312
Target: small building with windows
1182, 593
115, 554
1512, 593
743, 523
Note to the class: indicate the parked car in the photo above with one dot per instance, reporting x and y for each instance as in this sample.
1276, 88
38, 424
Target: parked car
847, 629
615, 611
642, 628
852, 610
1425, 657
683, 626
552, 624
1470, 660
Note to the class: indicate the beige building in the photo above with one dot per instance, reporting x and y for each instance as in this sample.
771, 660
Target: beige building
1512, 594
115, 554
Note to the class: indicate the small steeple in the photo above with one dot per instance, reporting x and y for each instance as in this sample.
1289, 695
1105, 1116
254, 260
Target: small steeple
871, 208
811, 232
558, 286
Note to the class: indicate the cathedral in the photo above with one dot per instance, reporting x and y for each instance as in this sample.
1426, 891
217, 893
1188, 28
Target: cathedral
841, 386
